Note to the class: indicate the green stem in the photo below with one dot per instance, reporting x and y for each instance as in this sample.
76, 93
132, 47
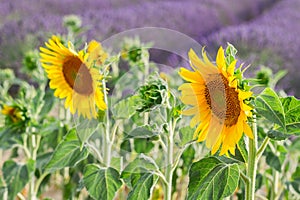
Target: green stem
275, 185
107, 144
262, 148
34, 142
169, 167
252, 163
39, 181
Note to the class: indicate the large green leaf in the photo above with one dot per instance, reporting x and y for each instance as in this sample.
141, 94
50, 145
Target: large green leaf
9, 136
210, 178
274, 161
291, 107
101, 183
143, 187
283, 112
186, 135
142, 132
125, 108
269, 105
141, 165
85, 129
67, 153
17, 176
143, 145
296, 179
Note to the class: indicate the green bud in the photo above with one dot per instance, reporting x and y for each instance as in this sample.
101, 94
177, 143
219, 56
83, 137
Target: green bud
7, 74
231, 52
152, 94
72, 21
30, 60
264, 76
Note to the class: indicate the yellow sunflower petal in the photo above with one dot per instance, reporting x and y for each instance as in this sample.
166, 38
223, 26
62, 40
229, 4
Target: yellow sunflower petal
244, 94
216, 147
221, 59
247, 130
193, 77
231, 67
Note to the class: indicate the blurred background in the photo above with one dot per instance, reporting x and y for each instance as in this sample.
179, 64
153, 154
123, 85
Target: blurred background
266, 32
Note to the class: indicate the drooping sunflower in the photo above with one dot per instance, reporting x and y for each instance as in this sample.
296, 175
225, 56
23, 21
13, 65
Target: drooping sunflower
12, 112
218, 104
73, 76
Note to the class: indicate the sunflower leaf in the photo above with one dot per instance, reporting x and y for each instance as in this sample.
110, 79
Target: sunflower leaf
85, 130
291, 107
17, 176
125, 108
101, 183
144, 187
141, 165
142, 132
269, 106
274, 161
205, 176
67, 153
295, 182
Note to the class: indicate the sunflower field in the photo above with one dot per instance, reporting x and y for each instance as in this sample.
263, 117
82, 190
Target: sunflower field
170, 100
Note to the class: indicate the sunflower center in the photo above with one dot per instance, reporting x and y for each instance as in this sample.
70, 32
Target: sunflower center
223, 100
78, 76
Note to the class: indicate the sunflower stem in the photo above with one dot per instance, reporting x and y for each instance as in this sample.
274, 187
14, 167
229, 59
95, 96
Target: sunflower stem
169, 171
262, 148
252, 163
33, 148
107, 143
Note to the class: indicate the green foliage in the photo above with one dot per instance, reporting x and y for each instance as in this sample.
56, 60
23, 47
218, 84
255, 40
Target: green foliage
268, 104
241, 153
142, 132
143, 187
125, 108
101, 183
141, 165
283, 112
85, 130
274, 161
68, 153
186, 135
231, 52
291, 107
210, 178
16, 176
296, 179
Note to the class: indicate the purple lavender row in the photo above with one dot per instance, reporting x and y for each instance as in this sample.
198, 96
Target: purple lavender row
277, 30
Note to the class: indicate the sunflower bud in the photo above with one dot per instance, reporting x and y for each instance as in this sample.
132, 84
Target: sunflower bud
30, 60
7, 74
152, 94
263, 76
72, 22
13, 114
133, 51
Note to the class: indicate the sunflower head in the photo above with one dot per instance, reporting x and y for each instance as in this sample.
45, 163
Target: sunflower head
73, 76
217, 102
13, 113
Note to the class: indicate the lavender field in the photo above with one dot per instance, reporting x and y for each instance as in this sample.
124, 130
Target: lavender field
268, 26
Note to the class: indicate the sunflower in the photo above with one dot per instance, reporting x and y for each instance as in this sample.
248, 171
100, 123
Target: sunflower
218, 106
73, 76
12, 112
